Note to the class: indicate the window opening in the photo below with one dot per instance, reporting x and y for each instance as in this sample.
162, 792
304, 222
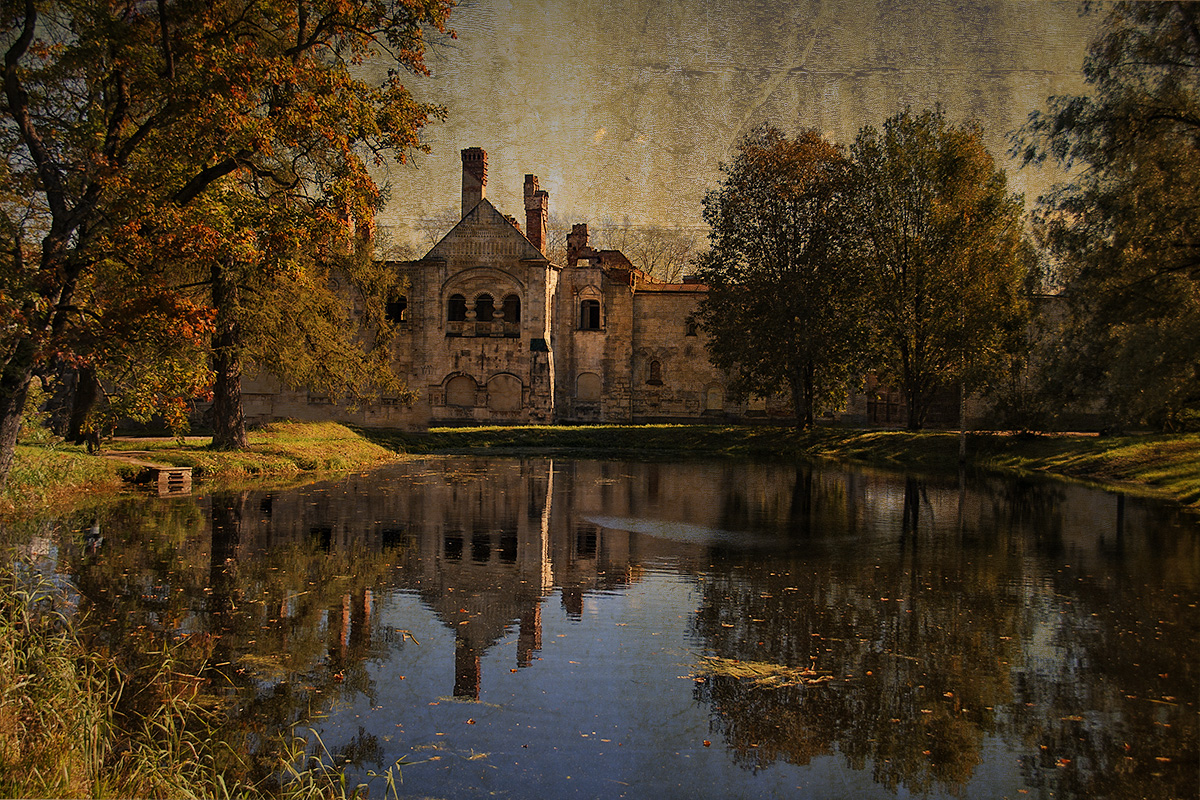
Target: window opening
457, 308
589, 315
485, 308
512, 309
397, 310
655, 374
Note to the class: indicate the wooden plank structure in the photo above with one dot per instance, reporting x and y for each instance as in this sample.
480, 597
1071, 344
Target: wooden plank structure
166, 478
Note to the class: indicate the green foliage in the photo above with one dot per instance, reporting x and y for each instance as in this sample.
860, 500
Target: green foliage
35, 422
1124, 228
950, 259
786, 308
234, 137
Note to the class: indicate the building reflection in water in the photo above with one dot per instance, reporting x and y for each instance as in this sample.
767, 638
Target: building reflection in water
948, 611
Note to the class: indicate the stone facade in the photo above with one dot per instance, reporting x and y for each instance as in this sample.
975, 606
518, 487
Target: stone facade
493, 332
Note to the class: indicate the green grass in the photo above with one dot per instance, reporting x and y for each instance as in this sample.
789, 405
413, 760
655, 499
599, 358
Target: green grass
1158, 464
54, 475
60, 475
280, 449
1163, 465
1166, 465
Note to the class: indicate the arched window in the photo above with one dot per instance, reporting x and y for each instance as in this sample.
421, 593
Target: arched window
397, 310
485, 308
693, 328
589, 315
460, 391
512, 309
456, 310
655, 378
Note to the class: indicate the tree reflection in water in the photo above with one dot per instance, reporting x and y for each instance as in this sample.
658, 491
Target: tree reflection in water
949, 643
276, 634
905, 624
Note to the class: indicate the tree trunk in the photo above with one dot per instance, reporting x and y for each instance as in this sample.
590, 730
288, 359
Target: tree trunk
14, 387
810, 395
800, 405
87, 392
229, 420
915, 411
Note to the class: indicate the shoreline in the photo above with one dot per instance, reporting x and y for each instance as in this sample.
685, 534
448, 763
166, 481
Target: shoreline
1165, 466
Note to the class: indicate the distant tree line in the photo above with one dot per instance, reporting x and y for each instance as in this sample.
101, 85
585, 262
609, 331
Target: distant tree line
906, 256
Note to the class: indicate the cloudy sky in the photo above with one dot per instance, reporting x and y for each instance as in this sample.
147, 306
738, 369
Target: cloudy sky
625, 108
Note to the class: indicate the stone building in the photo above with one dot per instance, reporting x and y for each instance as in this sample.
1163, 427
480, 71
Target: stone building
491, 331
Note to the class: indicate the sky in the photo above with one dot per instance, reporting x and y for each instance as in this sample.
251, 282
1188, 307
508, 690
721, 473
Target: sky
627, 108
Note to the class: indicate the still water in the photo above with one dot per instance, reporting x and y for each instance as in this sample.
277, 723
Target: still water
555, 628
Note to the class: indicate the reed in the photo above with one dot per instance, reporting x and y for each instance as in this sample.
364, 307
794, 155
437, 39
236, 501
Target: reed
75, 723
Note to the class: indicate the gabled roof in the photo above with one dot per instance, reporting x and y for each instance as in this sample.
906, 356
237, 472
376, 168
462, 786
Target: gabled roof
484, 220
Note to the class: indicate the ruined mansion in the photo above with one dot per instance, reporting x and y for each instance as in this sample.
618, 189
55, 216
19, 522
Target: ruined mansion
491, 331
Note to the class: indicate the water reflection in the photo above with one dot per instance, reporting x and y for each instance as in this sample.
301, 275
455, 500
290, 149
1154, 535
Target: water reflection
971, 636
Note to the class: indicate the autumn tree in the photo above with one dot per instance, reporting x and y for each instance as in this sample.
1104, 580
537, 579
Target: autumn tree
1125, 227
785, 310
123, 113
949, 253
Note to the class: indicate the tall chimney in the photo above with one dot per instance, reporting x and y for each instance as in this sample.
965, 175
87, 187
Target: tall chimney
577, 242
537, 204
474, 183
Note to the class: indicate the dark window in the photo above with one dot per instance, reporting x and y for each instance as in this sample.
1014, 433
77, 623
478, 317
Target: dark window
397, 310
585, 541
481, 548
485, 308
692, 328
512, 309
655, 374
508, 546
589, 315
457, 308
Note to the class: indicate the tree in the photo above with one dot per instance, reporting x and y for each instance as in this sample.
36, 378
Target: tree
1125, 226
123, 113
949, 253
786, 302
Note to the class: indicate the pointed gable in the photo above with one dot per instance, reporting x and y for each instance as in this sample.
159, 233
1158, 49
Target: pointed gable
486, 236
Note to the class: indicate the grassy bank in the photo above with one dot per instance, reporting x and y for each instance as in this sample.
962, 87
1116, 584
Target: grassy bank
58, 475
1167, 466
1164, 465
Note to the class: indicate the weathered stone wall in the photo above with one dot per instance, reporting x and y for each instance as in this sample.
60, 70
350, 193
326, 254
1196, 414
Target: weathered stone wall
672, 376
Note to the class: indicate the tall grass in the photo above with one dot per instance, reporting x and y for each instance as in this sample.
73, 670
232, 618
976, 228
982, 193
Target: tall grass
56, 701
75, 723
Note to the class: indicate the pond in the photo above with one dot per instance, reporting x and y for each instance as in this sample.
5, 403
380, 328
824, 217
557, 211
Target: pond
572, 628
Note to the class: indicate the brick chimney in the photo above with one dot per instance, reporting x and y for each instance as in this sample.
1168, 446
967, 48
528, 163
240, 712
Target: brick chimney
537, 204
474, 183
577, 242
